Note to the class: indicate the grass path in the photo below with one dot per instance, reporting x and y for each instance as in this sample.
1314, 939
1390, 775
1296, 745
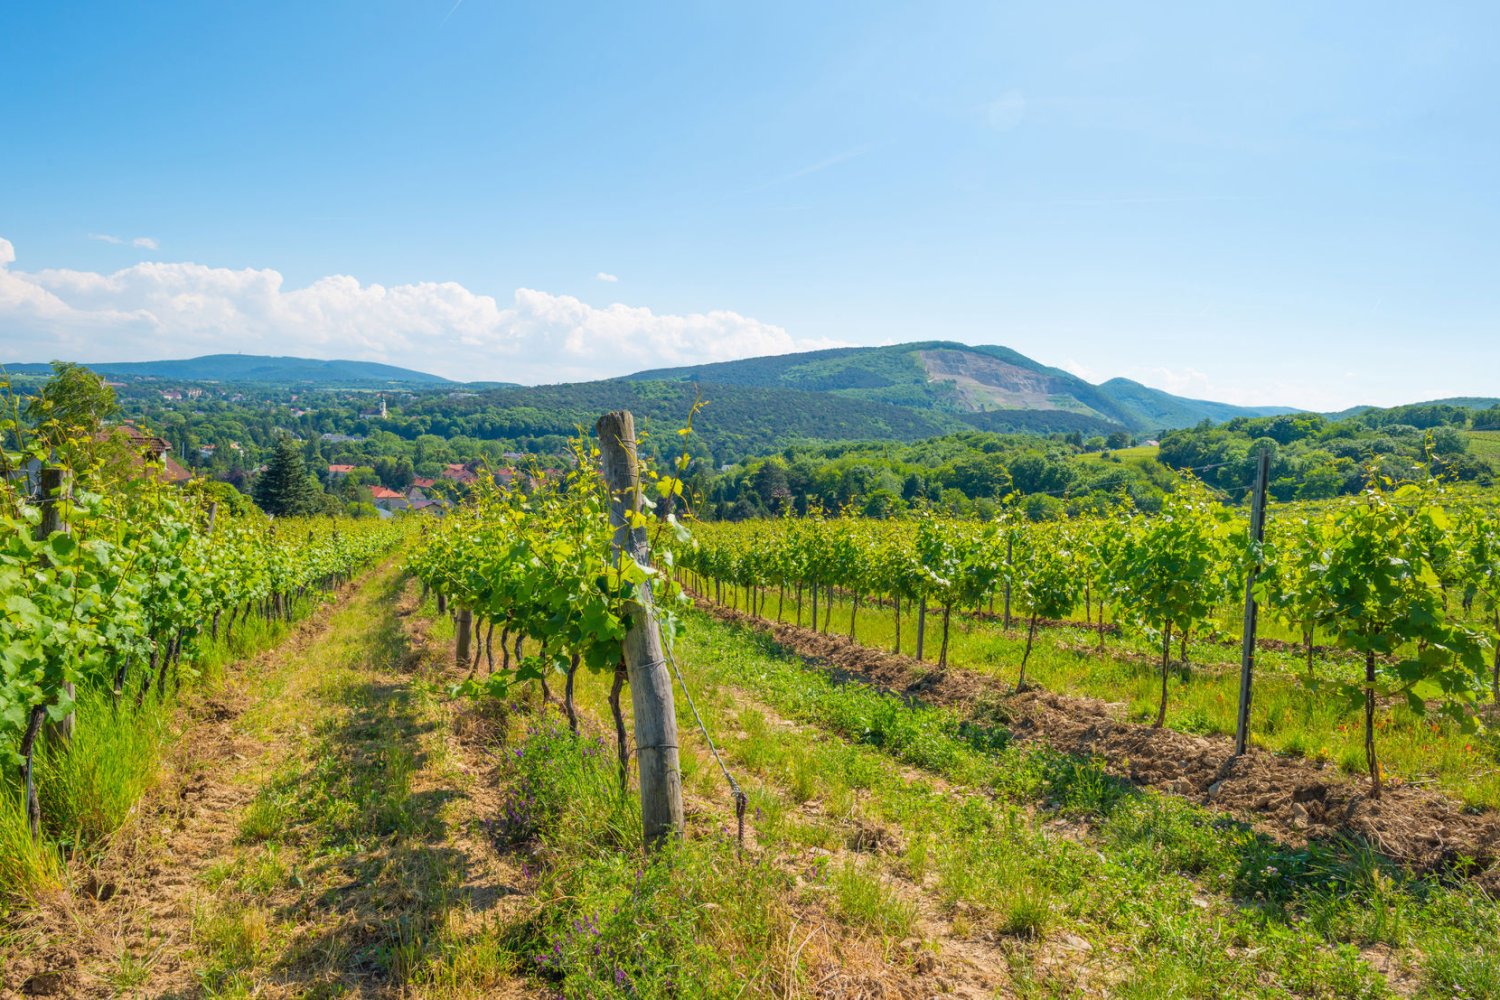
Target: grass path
317, 834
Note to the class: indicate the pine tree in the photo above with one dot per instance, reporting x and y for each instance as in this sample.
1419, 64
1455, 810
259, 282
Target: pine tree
283, 489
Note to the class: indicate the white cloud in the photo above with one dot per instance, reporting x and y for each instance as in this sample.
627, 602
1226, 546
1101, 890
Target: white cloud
606, 276
144, 242
161, 310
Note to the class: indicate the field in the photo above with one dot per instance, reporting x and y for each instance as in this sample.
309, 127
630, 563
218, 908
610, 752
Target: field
404, 765
889, 846
1485, 444
1122, 454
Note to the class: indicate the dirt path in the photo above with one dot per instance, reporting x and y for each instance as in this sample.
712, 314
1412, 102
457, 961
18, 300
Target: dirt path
317, 832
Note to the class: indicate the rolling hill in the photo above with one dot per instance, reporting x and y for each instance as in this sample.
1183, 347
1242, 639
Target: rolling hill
254, 368
990, 387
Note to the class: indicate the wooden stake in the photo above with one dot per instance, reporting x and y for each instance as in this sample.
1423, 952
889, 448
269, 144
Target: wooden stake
650, 682
462, 631
1247, 642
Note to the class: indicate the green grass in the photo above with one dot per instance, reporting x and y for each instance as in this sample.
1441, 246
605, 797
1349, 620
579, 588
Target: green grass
1288, 715
1136, 453
1171, 887
1485, 444
88, 790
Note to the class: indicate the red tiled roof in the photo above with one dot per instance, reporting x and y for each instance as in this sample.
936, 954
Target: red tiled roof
381, 493
341, 468
424, 483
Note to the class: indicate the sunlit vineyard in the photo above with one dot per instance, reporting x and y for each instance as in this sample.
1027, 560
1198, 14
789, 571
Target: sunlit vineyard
1405, 581
118, 592
893, 706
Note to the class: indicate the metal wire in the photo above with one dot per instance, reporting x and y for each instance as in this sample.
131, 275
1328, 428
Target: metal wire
740, 798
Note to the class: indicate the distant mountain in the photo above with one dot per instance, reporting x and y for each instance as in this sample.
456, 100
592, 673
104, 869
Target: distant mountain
1157, 409
990, 387
1463, 402
254, 368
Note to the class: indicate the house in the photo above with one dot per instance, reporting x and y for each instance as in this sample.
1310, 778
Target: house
430, 506
171, 395
339, 470
375, 414
146, 451
389, 499
459, 474
422, 483
341, 438
207, 450
415, 494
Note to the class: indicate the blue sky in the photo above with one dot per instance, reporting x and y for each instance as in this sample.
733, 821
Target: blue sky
1275, 203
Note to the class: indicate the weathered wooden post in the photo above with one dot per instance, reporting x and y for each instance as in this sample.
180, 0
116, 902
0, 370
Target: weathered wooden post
462, 629
1247, 639
650, 682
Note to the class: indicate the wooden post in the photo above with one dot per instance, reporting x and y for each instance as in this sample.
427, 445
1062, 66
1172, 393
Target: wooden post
462, 631
1247, 643
54, 486
650, 682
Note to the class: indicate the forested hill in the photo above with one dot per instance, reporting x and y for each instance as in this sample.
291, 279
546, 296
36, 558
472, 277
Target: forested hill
986, 386
737, 421
254, 368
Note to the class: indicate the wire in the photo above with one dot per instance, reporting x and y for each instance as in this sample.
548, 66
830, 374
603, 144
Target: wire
740, 798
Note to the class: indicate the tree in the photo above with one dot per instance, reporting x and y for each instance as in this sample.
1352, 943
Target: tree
284, 489
74, 396
72, 406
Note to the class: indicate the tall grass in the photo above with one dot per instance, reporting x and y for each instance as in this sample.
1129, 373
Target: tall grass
88, 789
693, 920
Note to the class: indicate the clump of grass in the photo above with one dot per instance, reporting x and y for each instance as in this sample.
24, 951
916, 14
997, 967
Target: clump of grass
693, 918
88, 787
866, 901
229, 940
1026, 911
1461, 973
26, 867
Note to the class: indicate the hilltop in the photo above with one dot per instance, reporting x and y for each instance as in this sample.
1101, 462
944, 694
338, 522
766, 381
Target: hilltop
990, 387
253, 368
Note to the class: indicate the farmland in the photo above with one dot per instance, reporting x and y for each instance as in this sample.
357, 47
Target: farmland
991, 754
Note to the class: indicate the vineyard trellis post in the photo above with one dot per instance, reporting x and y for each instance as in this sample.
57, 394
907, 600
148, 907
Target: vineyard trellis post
1247, 643
650, 681
463, 626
